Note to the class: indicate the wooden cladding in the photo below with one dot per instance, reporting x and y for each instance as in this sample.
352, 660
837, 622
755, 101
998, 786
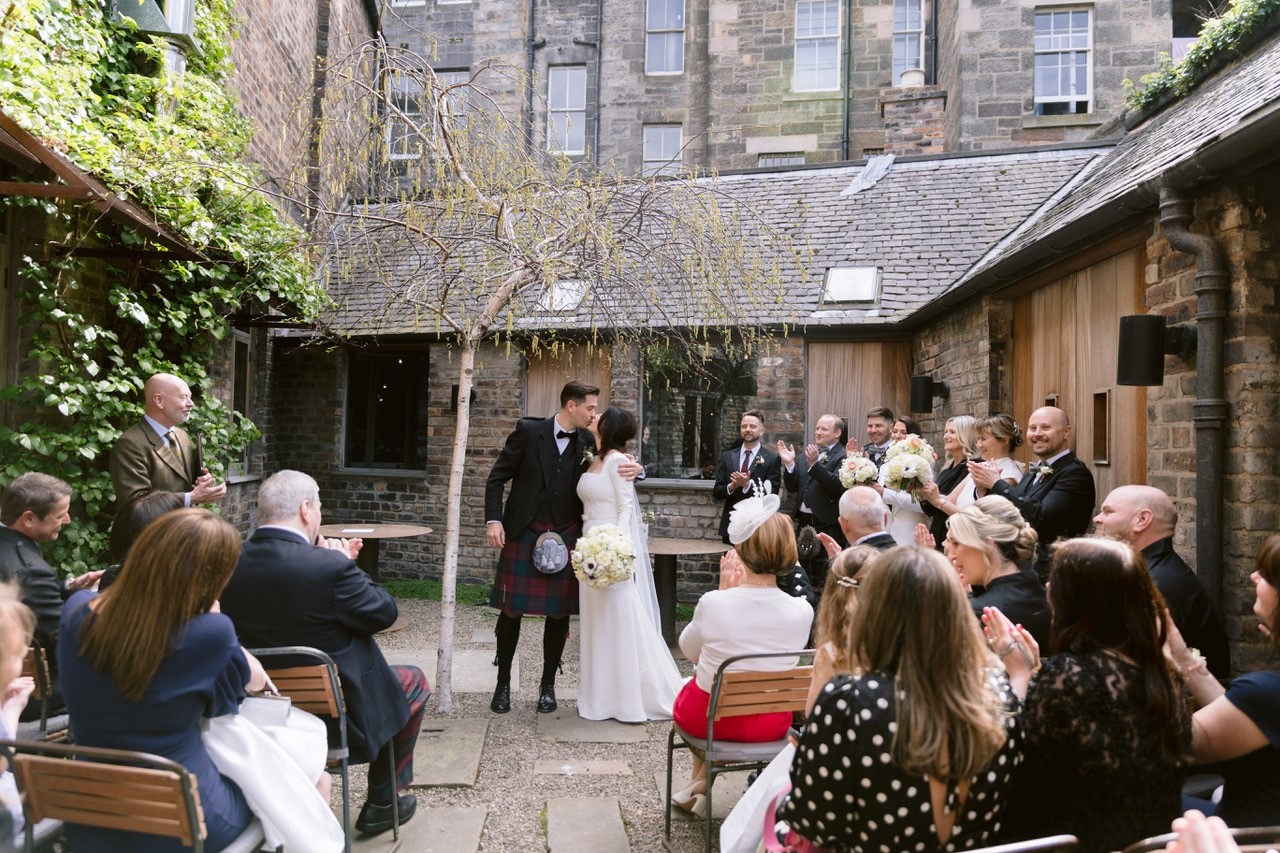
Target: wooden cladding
549, 371
848, 379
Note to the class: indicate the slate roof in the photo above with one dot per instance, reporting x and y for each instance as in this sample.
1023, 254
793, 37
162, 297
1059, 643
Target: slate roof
1125, 180
923, 223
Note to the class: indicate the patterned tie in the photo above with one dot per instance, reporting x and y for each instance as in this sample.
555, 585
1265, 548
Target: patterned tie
746, 461
175, 452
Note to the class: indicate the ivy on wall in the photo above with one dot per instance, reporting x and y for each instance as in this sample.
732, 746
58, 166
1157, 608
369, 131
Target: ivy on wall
1218, 37
95, 88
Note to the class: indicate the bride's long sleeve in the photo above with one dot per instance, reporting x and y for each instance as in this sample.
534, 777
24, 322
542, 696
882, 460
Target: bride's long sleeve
624, 495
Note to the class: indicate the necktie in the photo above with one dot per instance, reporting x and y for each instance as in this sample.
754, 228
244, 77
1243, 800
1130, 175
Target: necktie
746, 461
175, 452
564, 434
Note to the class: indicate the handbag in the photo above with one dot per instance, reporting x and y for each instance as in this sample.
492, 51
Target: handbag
267, 708
794, 842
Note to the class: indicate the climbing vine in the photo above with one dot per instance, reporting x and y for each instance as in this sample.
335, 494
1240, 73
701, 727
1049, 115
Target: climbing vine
95, 88
1218, 37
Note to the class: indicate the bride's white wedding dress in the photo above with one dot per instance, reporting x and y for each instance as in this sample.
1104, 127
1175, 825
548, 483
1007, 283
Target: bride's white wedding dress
627, 670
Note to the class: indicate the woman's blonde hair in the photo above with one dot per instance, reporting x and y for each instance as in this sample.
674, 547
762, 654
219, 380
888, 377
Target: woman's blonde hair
771, 550
965, 434
175, 570
916, 625
1003, 427
839, 607
17, 623
994, 518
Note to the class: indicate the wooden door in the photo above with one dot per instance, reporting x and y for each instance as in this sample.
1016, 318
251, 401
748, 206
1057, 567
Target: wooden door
1065, 342
848, 378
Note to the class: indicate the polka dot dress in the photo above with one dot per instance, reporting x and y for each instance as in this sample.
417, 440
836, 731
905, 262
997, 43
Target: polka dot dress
848, 794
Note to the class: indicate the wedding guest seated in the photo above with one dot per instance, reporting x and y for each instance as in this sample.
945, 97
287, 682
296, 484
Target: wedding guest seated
140, 670
1240, 726
873, 772
132, 519
747, 615
1108, 733
987, 542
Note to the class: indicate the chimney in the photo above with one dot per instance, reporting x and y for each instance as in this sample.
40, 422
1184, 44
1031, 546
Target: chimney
913, 116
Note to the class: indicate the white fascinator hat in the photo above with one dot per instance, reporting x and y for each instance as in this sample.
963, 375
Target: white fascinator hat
748, 515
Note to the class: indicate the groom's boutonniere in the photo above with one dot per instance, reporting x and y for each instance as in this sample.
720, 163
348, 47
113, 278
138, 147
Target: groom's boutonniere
588, 456
822, 457
1044, 470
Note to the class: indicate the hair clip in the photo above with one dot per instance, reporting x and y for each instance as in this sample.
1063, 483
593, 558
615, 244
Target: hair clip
853, 582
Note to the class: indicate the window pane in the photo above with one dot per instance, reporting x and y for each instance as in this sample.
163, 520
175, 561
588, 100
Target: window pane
664, 53
665, 15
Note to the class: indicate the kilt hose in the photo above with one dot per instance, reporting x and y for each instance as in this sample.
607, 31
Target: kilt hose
520, 589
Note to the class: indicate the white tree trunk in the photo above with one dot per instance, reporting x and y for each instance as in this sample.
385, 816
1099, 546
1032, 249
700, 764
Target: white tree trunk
453, 515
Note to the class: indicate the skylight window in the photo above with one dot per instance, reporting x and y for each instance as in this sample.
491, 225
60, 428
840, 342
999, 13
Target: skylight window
564, 295
852, 284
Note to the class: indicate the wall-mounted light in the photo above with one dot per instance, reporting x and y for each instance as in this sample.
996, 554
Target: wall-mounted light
453, 398
1145, 339
924, 389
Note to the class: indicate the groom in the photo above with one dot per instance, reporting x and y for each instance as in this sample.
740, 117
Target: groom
543, 459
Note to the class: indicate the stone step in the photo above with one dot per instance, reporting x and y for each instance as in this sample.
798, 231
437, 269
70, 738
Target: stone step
551, 767
473, 669
452, 829
565, 726
448, 752
586, 825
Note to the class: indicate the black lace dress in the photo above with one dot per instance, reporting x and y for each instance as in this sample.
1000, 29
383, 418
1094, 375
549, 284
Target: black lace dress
1093, 767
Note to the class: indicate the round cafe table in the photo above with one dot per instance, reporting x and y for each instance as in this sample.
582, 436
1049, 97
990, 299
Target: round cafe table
665, 553
371, 533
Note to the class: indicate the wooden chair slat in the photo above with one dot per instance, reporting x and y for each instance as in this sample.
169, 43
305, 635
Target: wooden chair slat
59, 804
308, 687
757, 692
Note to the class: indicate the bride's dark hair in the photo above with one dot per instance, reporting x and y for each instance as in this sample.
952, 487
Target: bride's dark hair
616, 428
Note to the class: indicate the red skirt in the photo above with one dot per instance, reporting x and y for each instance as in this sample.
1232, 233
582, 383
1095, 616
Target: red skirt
690, 714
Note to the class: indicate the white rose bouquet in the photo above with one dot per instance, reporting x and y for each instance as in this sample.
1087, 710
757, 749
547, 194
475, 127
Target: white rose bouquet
603, 556
857, 469
908, 464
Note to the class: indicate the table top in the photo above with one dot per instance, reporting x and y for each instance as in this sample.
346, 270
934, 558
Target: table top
676, 547
370, 530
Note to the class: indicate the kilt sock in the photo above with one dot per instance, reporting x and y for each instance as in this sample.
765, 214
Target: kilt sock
554, 635
507, 632
381, 782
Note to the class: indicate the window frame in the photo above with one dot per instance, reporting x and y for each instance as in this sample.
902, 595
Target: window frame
670, 165
817, 42
242, 376
1039, 100
394, 92
903, 34
418, 398
793, 158
567, 110
663, 33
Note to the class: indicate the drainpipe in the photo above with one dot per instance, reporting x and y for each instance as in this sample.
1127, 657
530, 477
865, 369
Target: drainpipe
532, 45
848, 80
1210, 408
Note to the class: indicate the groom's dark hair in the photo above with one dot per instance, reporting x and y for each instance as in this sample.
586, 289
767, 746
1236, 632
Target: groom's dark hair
616, 427
578, 391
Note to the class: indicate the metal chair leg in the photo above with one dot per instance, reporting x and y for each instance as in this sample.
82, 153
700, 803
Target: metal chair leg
346, 807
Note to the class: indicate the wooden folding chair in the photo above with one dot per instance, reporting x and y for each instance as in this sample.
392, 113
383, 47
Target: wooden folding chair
737, 694
1252, 839
317, 689
1051, 844
36, 665
112, 789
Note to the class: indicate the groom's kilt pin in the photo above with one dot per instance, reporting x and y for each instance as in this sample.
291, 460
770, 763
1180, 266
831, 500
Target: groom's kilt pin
520, 588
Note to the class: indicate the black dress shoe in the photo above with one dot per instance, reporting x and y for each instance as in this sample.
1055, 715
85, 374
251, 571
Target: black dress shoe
376, 817
501, 702
547, 699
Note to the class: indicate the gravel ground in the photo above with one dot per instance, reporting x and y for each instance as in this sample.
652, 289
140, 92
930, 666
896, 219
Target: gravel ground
515, 797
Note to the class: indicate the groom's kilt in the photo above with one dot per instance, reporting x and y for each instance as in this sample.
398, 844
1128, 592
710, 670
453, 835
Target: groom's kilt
520, 588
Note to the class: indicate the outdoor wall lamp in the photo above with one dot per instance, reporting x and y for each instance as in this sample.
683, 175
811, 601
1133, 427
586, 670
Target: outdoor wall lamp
924, 389
1145, 339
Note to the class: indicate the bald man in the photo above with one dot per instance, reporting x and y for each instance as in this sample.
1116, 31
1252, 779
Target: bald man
1057, 493
155, 455
1144, 517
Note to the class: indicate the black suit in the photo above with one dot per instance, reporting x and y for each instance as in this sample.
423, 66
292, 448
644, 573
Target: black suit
528, 461
1059, 506
880, 541
819, 488
947, 480
1189, 605
286, 592
39, 588
766, 467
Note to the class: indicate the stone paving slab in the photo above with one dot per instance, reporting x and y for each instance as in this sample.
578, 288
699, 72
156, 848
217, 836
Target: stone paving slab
548, 767
436, 830
586, 825
729, 789
565, 726
473, 669
483, 635
448, 752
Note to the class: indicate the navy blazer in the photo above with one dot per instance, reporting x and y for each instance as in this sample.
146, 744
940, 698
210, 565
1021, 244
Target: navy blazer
766, 466
1060, 506
286, 592
527, 461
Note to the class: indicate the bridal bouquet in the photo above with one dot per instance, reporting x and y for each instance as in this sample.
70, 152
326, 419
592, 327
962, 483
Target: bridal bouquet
908, 464
856, 469
603, 556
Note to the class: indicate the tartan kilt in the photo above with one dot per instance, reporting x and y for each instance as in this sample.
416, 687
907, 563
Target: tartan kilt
520, 588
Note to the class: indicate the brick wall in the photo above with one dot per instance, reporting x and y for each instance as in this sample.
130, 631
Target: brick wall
967, 348
1244, 216
913, 120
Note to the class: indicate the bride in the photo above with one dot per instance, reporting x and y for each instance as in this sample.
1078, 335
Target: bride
627, 670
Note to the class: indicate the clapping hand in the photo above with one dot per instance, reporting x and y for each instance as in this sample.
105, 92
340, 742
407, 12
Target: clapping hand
811, 452
832, 546
787, 453
1014, 645
851, 446
924, 539
1200, 834
350, 547
738, 480
732, 570
984, 475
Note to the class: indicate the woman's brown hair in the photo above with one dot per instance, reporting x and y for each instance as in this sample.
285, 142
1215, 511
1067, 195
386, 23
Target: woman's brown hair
915, 624
771, 550
175, 570
1103, 599
1268, 565
839, 606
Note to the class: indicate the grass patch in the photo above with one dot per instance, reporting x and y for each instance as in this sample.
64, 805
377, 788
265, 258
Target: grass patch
426, 589
684, 612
